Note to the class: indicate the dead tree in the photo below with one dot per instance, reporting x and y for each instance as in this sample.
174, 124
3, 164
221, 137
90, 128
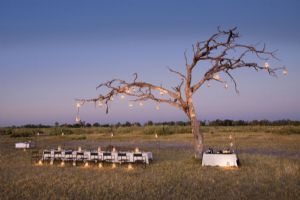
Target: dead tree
225, 54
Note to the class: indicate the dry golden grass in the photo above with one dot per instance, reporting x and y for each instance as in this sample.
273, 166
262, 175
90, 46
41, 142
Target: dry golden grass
174, 174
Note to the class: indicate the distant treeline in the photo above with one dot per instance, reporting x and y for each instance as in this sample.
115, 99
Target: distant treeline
218, 122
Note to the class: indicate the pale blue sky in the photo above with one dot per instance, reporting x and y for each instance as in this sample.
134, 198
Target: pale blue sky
52, 52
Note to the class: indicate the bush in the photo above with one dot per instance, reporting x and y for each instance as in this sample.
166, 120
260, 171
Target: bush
160, 130
22, 134
6, 131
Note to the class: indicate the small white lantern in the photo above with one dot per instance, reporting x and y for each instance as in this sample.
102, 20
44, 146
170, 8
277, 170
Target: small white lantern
267, 66
217, 77
285, 72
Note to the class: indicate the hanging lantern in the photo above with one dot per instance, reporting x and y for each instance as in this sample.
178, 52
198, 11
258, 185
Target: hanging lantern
226, 86
285, 72
78, 105
100, 103
266, 65
217, 77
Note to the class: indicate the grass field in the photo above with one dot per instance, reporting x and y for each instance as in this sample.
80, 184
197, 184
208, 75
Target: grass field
270, 165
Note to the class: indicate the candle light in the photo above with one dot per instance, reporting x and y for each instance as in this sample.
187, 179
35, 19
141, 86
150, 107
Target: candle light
130, 167
113, 166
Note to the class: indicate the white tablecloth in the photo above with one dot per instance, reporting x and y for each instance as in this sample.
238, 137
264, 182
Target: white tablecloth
222, 160
22, 145
87, 156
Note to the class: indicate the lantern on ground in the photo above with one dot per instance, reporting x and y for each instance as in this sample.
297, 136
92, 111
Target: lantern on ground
130, 167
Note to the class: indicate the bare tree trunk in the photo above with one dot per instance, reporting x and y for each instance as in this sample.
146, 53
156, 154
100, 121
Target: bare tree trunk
198, 136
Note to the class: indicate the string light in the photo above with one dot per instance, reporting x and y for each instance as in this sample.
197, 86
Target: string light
207, 85
141, 104
122, 96
267, 65
130, 105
